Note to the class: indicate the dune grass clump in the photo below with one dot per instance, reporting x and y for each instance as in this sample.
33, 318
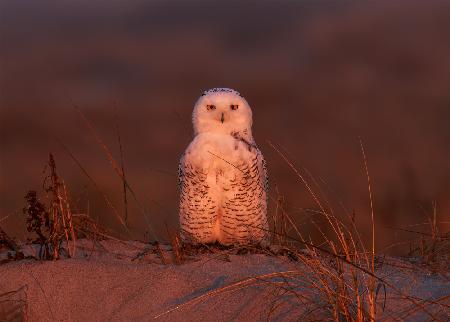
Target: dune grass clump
340, 277
433, 247
337, 278
51, 223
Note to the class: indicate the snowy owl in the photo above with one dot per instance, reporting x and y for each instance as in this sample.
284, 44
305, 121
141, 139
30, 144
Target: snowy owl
222, 174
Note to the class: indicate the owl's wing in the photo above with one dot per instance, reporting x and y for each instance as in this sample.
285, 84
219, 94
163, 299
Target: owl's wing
198, 207
262, 198
244, 218
180, 173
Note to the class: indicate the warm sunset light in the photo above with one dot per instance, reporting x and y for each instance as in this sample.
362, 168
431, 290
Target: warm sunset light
196, 160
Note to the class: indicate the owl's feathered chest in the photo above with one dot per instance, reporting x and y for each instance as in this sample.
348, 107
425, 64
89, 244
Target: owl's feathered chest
219, 152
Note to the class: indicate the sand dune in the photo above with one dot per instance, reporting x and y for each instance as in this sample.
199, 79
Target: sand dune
107, 281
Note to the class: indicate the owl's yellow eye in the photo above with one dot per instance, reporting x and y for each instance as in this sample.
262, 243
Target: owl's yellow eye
210, 107
234, 107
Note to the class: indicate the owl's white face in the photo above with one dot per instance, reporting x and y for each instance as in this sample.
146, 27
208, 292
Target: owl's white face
222, 110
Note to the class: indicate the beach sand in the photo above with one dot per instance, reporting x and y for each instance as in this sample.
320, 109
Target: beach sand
108, 281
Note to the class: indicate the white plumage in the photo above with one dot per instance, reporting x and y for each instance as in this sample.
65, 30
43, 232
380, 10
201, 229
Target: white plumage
223, 178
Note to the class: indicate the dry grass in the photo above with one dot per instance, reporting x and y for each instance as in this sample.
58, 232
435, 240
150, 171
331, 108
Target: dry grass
433, 247
341, 276
51, 222
280, 222
177, 249
340, 272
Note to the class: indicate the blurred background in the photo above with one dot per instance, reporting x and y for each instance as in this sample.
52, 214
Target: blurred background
318, 75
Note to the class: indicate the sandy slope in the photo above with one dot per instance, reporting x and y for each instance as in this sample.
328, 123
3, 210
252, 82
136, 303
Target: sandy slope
103, 283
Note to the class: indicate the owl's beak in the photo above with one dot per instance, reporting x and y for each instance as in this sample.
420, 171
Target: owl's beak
222, 119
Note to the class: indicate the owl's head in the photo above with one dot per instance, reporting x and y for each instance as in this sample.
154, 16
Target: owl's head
222, 110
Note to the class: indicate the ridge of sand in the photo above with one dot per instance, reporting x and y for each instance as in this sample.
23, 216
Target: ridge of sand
108, 283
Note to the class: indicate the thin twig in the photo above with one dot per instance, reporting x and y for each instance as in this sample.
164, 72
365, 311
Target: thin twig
244, 282
372, 284
226, 161
370, 196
